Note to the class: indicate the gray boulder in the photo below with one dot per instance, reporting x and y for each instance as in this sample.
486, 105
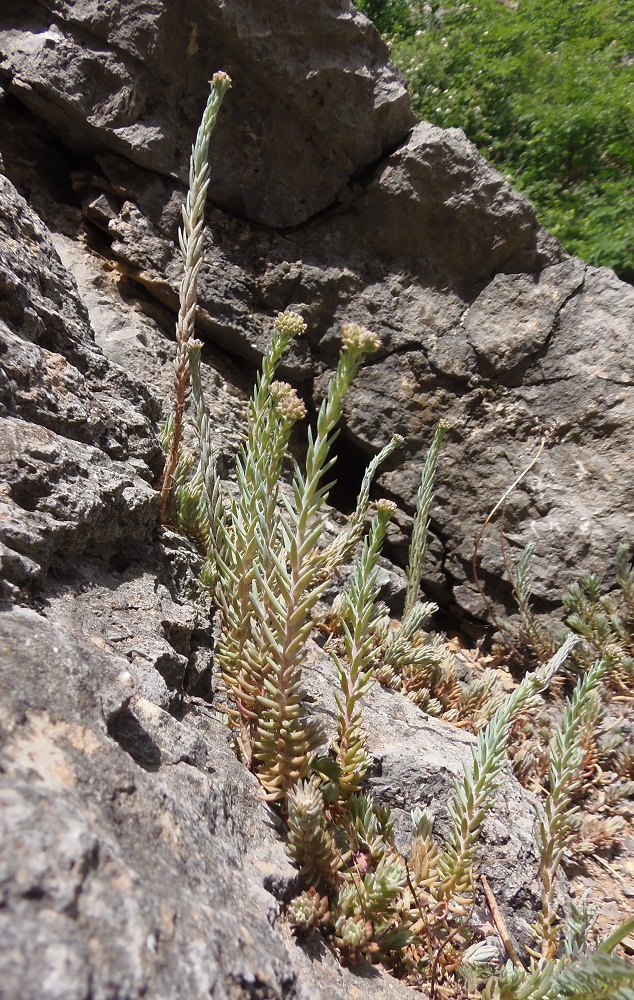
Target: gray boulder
136, 858
318, 105
69, 417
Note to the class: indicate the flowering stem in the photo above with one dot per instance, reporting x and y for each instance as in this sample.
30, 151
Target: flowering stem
284, 741
355, 671
191, 244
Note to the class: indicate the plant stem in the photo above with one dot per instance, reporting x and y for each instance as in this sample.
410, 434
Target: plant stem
191, 244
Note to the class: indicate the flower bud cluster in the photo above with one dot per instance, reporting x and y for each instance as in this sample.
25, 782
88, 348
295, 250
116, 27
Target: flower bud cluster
222, 80
286, 401
290, 324
386, 507
358, 338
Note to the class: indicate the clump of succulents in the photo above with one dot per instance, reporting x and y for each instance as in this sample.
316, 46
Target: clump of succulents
266, 570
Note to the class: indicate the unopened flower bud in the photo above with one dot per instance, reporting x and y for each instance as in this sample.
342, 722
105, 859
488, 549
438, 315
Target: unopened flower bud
289, 324
221, 80
358, 338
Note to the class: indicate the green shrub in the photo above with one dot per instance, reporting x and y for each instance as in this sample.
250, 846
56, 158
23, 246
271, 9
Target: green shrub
544, 90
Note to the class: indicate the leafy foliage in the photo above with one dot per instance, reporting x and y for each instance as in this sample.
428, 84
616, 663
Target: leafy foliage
605, 622
544, 90
190, 237
355, 668
474, 794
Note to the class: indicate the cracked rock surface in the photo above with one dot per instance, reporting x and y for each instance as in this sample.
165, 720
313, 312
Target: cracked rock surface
136, 859
77, 451
128, 76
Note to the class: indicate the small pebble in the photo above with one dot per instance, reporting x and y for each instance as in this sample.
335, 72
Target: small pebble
612, 913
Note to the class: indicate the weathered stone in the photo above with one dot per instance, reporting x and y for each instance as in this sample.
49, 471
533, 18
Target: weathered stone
475, 305
61, 496
135, 850
299, 123
77, 447
139, 337
568, 376
436, 199
512, 320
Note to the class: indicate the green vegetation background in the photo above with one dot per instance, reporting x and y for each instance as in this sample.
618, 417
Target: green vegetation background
545, 89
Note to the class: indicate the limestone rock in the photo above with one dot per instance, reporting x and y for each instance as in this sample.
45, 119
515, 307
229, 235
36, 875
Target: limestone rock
435, 185
547, 353
77, 447
484, 321
131, 77
136, 858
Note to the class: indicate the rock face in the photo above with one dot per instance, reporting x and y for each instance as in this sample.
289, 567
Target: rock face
69, 417
318, 105
135, 857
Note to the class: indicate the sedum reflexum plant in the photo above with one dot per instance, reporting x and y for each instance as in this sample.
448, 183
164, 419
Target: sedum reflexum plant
285, 596
266, 570
606, 623
474, 793
355, 668
270, 572
556, 820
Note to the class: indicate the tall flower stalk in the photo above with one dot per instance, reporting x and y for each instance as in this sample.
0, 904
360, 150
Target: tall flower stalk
284, 598
252, 532
191, 244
